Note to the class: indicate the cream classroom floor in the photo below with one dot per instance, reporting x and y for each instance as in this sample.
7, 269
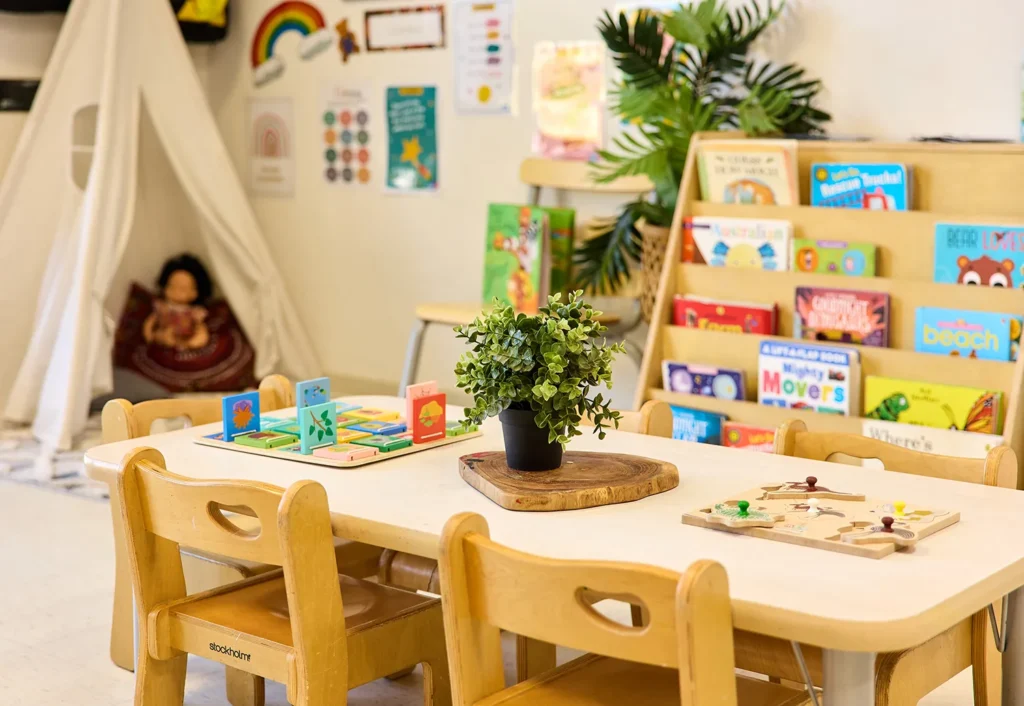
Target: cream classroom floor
56, 572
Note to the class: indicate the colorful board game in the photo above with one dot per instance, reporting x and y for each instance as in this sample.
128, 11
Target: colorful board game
812, 515
337, 434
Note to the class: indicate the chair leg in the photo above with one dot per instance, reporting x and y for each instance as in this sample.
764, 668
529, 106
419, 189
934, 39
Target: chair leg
986, 662
437, 686
122, 625
160, 682
533, 657
244, 689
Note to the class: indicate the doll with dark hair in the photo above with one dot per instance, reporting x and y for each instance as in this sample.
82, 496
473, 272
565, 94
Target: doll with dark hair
179, 317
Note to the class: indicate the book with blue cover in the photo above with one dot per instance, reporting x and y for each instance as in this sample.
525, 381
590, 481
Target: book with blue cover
698, 425
985, 255
972, 334
876, 187
704, 380
807, 376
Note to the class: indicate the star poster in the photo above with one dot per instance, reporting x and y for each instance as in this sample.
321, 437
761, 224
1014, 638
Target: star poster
412, 138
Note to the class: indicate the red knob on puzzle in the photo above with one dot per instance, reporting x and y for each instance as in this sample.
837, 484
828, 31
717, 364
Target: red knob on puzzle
811, 480
887, 522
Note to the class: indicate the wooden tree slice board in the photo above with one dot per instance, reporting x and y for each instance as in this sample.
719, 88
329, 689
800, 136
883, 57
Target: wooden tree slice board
585, 479
846, 525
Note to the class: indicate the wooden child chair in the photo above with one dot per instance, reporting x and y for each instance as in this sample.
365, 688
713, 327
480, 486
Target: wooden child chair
121, 421
903, 678
683, 655
318, 633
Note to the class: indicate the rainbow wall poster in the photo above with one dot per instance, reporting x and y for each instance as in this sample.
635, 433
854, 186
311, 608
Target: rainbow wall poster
289, 16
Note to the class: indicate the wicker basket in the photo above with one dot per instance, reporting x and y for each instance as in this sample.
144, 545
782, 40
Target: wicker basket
652, 257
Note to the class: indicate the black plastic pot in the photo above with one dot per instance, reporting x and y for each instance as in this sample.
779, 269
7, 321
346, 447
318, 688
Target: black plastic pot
526, 444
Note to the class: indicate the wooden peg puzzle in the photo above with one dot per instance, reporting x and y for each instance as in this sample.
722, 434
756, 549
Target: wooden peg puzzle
820, 517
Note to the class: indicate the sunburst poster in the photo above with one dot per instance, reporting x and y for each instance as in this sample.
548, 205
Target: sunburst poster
412, 138
271, 138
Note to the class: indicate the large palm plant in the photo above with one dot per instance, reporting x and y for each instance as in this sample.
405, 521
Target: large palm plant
684, 72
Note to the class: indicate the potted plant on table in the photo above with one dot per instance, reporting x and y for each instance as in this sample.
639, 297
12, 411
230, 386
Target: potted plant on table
683, 72
536, 373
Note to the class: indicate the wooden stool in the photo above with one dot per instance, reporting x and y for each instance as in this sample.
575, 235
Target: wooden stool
305, 626
901, 677
123, 420
683, 654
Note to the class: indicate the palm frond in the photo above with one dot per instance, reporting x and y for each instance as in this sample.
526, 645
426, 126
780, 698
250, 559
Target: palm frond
602, 263
637, 50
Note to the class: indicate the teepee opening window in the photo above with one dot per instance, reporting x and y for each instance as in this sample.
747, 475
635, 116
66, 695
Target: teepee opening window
83, 142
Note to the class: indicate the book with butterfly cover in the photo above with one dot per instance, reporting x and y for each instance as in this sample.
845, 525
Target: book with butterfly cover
933, 404
755, 172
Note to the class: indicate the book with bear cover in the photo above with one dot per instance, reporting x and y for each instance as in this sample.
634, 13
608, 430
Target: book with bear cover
808, 376
834, 257
985, 255
878, 187
720, 315
971, 334
752, 243
758, 172
933, 404
704, 380
841, 316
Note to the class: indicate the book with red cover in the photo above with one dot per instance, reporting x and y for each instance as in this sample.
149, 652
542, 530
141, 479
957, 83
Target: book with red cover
720, 315
746, 436
841, 316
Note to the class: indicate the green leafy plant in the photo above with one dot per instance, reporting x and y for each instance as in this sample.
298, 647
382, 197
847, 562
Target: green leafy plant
685, 72
547, 363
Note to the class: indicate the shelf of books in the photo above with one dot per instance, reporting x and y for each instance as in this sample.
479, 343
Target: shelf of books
867, 288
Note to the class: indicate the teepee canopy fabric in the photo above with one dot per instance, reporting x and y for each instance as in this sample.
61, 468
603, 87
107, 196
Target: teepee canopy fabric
74, 198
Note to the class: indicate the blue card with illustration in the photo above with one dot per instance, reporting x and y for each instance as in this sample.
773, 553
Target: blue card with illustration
311, 392
318, 426
241, 414
343, 407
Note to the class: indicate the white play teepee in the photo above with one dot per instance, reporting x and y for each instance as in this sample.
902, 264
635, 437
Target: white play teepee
120, 159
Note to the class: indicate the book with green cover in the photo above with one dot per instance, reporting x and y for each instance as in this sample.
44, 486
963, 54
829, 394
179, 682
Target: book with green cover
517, 256
563, 236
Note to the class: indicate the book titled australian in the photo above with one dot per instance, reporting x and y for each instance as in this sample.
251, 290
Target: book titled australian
841, 316
972, 334
808, 376
758, 172
752, 243
704, 380
985, 255
880, 187
697, 425
720, 315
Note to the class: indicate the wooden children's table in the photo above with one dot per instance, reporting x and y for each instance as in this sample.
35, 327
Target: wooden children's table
852, 607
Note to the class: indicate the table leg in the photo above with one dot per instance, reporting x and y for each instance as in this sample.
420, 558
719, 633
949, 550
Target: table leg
412, 355
1013, 657
849, 678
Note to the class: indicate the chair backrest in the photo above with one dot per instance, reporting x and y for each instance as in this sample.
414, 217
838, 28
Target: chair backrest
487, 587
653, 419
161, 511
998, 468
122, 420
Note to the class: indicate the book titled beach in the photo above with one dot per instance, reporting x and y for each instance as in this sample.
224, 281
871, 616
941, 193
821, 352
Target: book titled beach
984, 255
933, 404
752, 243
807, 376
756, 172
971, 334
880, 187
842, 316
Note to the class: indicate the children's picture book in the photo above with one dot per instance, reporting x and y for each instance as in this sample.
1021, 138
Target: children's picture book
972, 334
704, 380
241, 414
562, 225
933, 404
945, 442
985, 255
517, 258
757, 172
807, 376
841, 316
568, 99
719, 315
697, 425
752, 243
877, 187
311, 392
834, 257
317, 426
749, 437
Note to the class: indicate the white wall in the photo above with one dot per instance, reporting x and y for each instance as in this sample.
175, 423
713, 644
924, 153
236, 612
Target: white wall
894, 68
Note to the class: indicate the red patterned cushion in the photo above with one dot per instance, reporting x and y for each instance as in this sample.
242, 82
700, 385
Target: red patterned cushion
223, 365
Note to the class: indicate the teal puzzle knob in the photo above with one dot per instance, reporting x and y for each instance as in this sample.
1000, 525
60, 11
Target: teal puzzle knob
743, 505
